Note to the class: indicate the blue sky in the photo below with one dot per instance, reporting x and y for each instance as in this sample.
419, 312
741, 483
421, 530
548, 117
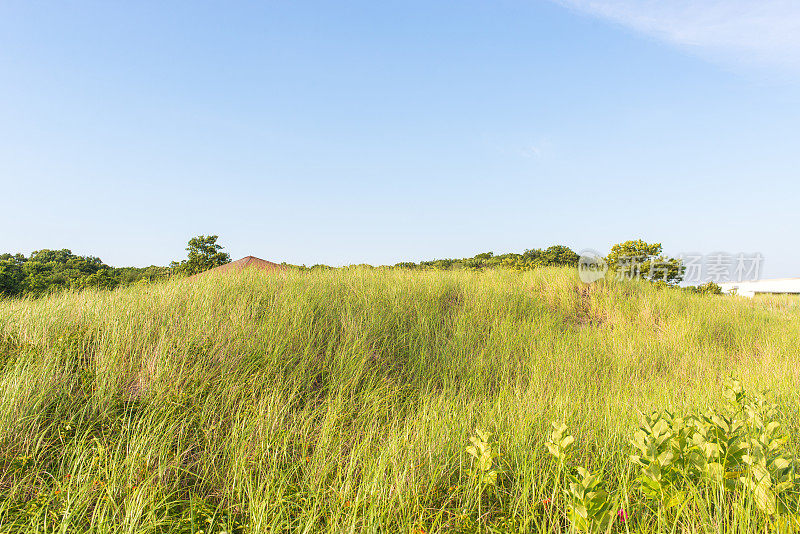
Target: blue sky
349, 132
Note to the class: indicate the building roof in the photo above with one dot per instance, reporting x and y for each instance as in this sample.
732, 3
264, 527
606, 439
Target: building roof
763, 280
774, 285
248, 262
760, 281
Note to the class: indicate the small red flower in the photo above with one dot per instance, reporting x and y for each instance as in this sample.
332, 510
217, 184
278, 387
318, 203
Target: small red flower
547, 501
622, 515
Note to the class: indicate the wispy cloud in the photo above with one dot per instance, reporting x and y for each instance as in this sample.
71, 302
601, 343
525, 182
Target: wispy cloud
755, 32
531, 151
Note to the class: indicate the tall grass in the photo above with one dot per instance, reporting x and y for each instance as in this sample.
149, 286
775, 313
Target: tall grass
342, 401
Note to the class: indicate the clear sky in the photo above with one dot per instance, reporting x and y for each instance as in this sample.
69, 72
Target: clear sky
381, 131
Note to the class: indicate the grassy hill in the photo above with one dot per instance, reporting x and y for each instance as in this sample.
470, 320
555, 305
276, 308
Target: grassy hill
342, 401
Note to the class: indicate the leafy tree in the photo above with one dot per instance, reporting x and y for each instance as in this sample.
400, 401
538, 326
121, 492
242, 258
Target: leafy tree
556, 255
46, 271
638, 259
67, 260
131, 275
11, 276
560, 255
102, 279
204, 254
152, 273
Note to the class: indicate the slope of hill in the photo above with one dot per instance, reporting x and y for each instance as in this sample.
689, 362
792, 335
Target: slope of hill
342, 401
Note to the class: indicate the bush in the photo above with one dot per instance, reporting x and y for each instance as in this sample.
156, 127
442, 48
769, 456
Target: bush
709, 288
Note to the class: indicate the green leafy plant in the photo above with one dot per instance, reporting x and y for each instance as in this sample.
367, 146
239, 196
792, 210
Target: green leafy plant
661, 444
589, 506
560, 442
484, 473
559, 445
484, 453
741, 452
771, 476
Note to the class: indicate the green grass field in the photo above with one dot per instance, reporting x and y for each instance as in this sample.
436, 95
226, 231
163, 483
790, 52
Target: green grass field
343, 401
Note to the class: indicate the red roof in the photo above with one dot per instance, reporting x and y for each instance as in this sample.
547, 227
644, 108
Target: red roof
248, 262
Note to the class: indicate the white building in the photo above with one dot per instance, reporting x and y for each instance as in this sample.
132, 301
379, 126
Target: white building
751, 288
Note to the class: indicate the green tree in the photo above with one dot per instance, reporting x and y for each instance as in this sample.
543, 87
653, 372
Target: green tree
560, 255
11, 276
204, 254
555, 255
126, 276
102, 279
47, 270
638, 259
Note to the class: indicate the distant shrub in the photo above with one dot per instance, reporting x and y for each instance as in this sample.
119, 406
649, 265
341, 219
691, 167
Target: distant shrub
553, 256
709, 288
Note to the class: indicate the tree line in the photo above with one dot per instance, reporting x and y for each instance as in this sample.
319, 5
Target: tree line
46, 271
554, 256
